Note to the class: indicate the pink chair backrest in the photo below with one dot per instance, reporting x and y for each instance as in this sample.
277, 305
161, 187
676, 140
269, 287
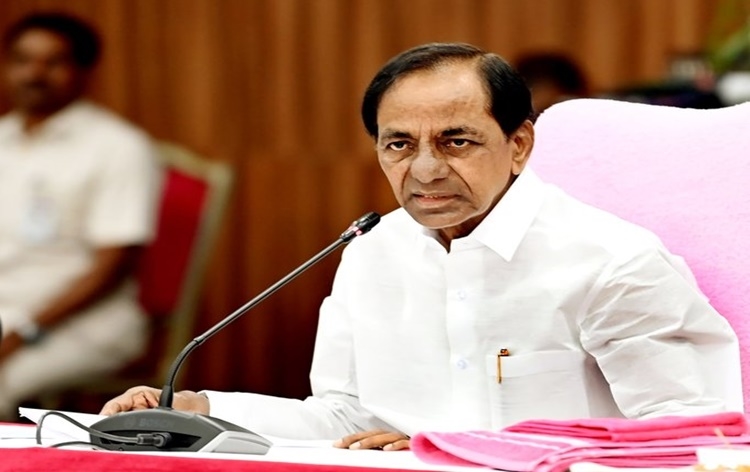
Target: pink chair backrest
682, 173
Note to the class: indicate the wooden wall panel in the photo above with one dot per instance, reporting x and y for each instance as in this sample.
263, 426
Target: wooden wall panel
273, 87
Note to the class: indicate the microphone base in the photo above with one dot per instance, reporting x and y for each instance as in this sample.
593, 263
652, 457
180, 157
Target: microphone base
188, 432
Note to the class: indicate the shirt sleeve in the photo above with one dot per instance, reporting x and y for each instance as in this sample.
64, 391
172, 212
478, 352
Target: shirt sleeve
123, 206
333, 410
659, 343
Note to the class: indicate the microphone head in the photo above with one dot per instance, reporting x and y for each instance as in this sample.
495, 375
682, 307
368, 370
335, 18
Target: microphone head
361, 226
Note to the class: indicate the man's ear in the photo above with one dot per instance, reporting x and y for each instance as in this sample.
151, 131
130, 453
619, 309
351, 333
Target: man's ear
522, 142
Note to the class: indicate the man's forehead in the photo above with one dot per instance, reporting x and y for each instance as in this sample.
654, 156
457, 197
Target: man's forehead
442, 116
42, 38
458, 76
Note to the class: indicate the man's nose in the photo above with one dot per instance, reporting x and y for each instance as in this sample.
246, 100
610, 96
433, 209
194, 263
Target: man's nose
428, 165
33, 71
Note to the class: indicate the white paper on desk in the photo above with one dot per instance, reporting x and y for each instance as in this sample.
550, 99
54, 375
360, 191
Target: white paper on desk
13, 431
17, 435
57, 428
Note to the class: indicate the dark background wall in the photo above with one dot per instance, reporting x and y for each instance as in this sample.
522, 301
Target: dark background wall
273, 87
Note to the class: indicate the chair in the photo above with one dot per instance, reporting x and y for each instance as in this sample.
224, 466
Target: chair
194, 195
171, 272
682, 173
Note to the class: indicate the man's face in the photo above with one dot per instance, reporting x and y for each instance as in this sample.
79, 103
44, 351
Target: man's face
40, 73
446, 158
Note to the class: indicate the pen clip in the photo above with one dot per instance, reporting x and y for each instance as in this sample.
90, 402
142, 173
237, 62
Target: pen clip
500, 354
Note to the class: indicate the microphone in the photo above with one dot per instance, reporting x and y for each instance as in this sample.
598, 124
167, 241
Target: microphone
166, 429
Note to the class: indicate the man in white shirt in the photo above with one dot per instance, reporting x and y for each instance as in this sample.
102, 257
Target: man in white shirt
490, 297
78, 186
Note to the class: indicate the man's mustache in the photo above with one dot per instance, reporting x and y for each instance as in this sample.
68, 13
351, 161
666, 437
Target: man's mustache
35, 85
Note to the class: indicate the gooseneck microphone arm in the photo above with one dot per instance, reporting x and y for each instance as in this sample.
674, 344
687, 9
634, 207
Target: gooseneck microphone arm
166, 429
357, 228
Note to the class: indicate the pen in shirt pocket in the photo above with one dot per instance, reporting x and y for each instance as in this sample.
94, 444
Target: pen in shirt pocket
500, 354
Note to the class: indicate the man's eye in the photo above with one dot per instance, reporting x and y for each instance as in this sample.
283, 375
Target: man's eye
459, 143
397, 146
18, 59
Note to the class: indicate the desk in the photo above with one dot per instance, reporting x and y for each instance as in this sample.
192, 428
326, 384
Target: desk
21, 455
37, 459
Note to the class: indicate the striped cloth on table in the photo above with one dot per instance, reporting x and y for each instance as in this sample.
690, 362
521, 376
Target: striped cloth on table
552, 446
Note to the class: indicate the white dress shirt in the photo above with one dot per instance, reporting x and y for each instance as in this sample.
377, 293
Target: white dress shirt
83, 180
598, 317
86, 179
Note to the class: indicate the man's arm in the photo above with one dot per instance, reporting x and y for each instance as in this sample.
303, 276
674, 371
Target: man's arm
110, 267
661, 346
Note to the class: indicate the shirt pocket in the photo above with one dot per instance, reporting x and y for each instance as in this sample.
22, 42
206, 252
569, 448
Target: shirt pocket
548, 384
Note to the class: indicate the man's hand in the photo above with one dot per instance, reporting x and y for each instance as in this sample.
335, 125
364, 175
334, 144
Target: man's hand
377, 439
143, 398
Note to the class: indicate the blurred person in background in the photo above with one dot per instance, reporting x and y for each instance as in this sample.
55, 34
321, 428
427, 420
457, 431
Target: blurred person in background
552, 78
78, 187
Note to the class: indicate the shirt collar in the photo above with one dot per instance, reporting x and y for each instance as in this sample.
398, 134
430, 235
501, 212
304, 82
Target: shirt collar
10, 127
57, 125
505, 226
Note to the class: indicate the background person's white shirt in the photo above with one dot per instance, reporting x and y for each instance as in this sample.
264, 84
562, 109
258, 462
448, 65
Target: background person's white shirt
583, 301
85, 179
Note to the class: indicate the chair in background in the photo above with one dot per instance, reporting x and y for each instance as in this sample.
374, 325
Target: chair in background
682, 173
194, 196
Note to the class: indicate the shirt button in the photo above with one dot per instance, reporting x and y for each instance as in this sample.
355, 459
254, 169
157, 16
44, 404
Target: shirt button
462, 364
461, 295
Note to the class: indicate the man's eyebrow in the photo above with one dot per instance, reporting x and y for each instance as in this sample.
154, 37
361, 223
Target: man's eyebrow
392, 133
388, 134
459, 131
